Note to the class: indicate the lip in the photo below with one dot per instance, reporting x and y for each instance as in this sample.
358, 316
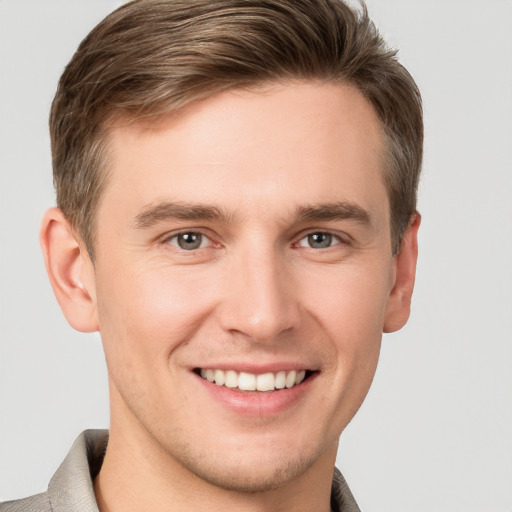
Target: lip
257, 403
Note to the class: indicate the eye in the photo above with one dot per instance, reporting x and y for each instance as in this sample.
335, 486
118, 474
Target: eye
189, 241
319, 240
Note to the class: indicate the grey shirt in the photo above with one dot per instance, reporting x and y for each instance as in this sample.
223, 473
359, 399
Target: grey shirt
71, 488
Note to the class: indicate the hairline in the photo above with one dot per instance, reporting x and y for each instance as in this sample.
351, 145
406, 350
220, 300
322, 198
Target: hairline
150, 121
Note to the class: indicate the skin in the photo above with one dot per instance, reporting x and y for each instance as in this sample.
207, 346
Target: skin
256, 292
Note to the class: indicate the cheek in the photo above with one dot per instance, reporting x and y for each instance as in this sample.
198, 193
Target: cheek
148, 313
349, 306
350, 302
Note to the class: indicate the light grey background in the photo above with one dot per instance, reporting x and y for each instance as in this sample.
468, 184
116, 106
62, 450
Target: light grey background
435, 433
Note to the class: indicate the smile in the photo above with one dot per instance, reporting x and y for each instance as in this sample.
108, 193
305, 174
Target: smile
244, 381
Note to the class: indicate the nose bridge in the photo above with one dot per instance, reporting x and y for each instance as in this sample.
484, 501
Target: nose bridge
259, 300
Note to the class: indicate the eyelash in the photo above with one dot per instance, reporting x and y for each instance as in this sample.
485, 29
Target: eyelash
332, 240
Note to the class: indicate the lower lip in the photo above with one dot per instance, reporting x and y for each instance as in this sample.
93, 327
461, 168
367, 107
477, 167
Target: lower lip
258, 403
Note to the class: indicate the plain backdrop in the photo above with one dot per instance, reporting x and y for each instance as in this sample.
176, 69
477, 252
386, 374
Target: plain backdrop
435, 433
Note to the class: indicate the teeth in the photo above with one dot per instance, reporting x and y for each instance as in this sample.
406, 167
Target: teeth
265, 382
220, 378
231, 380
247, 381
280, 380
251, 382
290, 378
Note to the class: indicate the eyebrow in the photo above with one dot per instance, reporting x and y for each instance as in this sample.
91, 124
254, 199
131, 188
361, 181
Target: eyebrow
341, 210
152, 214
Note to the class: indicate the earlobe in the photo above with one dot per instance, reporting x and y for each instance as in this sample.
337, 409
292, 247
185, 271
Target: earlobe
70, 271
399, 302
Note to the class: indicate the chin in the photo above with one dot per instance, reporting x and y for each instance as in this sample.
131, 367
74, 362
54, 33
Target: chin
246, 476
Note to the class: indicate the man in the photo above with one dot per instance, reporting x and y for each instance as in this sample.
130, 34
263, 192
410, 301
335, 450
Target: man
236, 188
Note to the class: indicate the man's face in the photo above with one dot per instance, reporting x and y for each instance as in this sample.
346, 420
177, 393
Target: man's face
247, 235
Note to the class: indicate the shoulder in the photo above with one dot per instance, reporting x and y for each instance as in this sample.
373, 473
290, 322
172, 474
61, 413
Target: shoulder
71, 487
36, 503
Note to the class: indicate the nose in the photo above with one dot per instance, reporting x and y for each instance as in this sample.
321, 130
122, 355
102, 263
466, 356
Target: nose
259, 299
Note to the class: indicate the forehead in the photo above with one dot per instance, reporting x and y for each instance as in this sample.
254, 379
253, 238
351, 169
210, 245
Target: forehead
296, 143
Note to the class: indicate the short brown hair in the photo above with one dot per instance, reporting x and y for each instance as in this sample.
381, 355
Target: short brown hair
150, 57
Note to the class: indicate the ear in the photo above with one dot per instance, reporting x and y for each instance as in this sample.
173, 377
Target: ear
399, 302
70, 270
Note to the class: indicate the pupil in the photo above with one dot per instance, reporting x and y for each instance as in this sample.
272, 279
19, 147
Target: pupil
189, 240
320, 240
